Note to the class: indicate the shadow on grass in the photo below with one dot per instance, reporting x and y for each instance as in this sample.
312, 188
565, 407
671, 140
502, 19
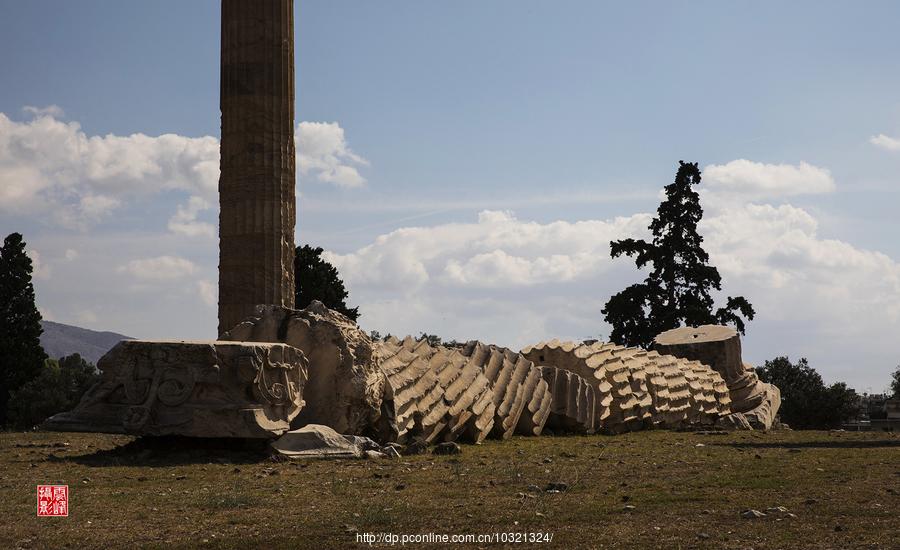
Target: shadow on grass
862, 444
176, 450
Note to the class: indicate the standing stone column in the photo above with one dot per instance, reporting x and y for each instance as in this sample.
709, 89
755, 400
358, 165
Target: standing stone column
256, 186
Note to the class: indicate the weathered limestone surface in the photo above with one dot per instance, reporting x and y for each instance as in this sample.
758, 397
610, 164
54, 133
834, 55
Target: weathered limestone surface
317, 441
200, 389
720, 348
433, 394
521, 397
345, 382
635, 388
256, 186
573, 406
437, 393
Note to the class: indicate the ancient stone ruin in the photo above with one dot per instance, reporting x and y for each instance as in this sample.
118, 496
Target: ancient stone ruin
635, 388
346, 384
201, 389
141, 380
257, 204
314, 374
720, 348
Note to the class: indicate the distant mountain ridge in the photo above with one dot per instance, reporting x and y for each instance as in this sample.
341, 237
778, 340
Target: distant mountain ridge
59, 340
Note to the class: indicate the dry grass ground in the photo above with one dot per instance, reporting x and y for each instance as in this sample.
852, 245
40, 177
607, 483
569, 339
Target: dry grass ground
687, 490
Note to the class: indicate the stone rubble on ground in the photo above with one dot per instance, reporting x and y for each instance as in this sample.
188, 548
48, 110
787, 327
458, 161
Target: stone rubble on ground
446, 448
412, 393
317, 441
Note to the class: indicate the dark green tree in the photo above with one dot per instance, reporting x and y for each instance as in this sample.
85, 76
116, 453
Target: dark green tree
431, 339
806, 402
57, 388
895, 382
317, 279
21, 354
678, 289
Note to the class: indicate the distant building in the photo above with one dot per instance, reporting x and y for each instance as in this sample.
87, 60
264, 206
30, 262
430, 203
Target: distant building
876, 413
892, 409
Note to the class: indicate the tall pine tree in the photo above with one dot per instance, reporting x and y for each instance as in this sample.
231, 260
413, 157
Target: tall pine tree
21, 354
678, 289
316, 279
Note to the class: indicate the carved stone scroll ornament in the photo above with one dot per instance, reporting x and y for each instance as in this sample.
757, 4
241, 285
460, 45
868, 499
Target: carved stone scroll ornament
202, 389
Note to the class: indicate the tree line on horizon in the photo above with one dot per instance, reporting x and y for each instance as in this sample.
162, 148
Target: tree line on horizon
676, 292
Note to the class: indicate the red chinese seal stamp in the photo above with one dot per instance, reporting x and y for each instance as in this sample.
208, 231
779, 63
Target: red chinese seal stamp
53, 500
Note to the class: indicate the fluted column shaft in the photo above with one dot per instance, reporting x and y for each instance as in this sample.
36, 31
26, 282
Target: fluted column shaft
256, 185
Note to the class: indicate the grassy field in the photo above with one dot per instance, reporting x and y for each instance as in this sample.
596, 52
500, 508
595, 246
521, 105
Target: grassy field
642, 490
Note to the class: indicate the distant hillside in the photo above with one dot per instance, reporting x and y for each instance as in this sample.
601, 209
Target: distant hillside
60, 340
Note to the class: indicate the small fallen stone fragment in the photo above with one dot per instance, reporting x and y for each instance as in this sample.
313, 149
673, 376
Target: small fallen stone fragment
417, 447
447, 448
752, 514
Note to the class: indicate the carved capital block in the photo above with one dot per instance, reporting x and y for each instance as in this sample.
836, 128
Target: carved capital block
720, 348
199, 389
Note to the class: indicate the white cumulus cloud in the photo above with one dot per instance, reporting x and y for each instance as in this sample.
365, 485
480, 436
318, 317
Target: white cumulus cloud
743, 180
39, 269
185, 220
54, 111
885, 142
515, 281
52, 169
209, 292
323, 153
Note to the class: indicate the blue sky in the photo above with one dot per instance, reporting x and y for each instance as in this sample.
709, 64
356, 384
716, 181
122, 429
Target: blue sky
562, 120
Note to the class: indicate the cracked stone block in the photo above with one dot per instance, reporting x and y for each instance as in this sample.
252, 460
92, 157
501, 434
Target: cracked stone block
573, 405
636, 388
199, 389
346, 383
436, 393
720, 348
